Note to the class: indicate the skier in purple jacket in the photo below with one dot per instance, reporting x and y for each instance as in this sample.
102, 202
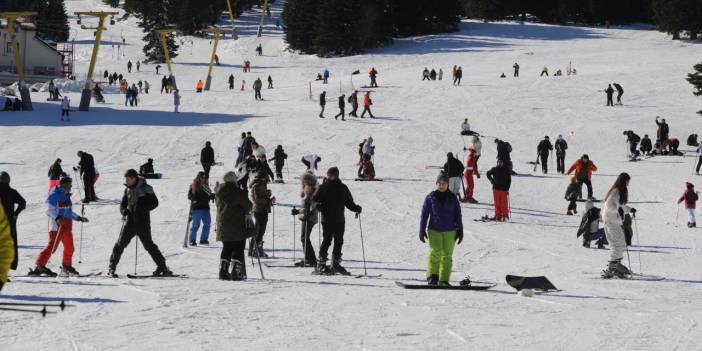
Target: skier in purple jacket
442, 224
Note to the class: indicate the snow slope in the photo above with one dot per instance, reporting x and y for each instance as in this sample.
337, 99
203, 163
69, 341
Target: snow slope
417, 124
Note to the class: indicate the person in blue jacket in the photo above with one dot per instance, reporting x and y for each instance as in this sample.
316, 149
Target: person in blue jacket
442, 224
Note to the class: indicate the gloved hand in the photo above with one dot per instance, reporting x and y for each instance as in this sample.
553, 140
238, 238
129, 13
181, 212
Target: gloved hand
295, 212
422, 235
459, 237
633, 212
82, 219
75, 169
358, 210
60, 221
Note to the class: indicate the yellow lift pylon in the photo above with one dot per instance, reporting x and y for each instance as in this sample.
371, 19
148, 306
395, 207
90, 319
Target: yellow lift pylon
23, 89
217, 32
87, 89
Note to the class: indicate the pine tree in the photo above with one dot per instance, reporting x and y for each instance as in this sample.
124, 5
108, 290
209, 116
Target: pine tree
299, 21
111, 3
695, 78
153, 15
52, 21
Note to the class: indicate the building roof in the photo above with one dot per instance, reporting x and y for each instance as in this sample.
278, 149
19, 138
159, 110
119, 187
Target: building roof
21, 22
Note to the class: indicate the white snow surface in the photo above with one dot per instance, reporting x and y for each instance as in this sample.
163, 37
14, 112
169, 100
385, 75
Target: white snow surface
417, 124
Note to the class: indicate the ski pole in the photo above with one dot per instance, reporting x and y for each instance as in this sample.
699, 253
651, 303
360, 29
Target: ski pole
258, 256
75, 175
136, 254
363, 248
273, 210
187, 225
636, 230
293, 237
80, 245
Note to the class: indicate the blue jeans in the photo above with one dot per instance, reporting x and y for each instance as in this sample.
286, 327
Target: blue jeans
204, 216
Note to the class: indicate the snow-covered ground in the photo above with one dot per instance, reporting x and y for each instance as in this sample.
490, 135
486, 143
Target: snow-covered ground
417, 124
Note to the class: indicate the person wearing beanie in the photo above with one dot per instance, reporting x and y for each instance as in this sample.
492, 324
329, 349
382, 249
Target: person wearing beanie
200, 196
453, 168
232, 208
10, 198
55, 173
543, 150
138, 201
207, 158
441, 222
331, 198
147, 168
6, 252
263, 201
61, 217
690, 197
561, 147
501, 178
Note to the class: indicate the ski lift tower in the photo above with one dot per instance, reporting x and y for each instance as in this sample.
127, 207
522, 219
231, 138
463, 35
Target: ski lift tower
164, 33
101, 15
263, 18
231, 17
23, 89
217, 32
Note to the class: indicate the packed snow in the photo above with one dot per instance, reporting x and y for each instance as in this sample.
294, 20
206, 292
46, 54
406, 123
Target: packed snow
417, 123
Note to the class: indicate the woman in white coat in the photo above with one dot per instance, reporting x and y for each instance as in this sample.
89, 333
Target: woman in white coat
613, 212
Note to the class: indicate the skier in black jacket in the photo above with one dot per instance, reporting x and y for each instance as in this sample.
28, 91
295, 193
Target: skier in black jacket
231, 82
561, 147
207, 158
331, 198
9, 198
322, 103
279, 157
633, 140
147, 168
609, 92
87, 172
342, 106
453, 168
138, 200
620, 92
543, 150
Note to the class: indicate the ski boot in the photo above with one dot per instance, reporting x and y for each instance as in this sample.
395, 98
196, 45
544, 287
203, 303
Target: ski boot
238, 271
224, 270
465, 282
162, 271
192, 243
338, 269
615, 269
69, 271
41, 271
259, 252
433, 280
204, 242
112, 273
323, 269
569, 213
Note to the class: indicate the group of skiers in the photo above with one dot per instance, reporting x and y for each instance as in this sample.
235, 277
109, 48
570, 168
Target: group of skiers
353, 100
610, 92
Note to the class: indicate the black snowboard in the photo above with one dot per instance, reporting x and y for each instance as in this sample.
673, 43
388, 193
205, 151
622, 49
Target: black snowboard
437, 287
369, 180
151, 175
536, 283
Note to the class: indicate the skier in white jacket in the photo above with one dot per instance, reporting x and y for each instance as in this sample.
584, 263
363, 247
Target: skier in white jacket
65, 108
613, 212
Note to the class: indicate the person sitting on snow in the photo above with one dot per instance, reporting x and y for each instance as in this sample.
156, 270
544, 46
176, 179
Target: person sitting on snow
367, 170
590, 226
465, 128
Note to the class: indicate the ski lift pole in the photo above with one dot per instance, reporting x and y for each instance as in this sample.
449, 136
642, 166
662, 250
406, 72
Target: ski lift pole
263, 18
86, 95
231, 17
217, 32
166, 55
19, 64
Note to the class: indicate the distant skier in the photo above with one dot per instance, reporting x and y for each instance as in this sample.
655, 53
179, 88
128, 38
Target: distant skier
207, 158
571, 195
543, 150
147, 168
176, 100
367, 102
441, 222
544, 71
331, 198
432, 74
326, 75
138, 201
373, 74
61, 220
471, 169
65, 108
259, 50
86, 165
646, 146
257, 86
453, 168
322, 103
441, 74
129, 67
614, 209
279, 157
138, 65
342, 106
662, 133
425, 74
231, 82
164, 84
311, 161
561, 147
353, 100
690, 198
459, 76
13, 204
500, 177
158, 67
465, 128
609, 91
270, 82
516, 69
620, 92
583, 172
200, 196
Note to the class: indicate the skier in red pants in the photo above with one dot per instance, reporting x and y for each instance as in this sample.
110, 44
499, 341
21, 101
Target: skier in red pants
61, 229
471, 169
501, 178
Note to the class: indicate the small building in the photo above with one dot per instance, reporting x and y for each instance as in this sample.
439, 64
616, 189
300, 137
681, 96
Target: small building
41, 60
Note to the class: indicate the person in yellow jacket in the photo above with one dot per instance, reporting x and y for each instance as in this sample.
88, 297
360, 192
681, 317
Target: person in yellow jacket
7, 252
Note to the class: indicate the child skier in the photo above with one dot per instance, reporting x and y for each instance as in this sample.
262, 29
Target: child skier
573, 192
690, 197
279, 157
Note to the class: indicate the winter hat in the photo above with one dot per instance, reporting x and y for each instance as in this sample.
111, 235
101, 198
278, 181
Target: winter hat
333, 172
442, 177
80, 154
131, 173
546, 137
230, 177
150, 160
65, 179
207, 143
560, 136
4, 177
449, 155
687, 184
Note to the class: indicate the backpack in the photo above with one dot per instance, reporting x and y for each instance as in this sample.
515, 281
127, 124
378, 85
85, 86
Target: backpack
692, 140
